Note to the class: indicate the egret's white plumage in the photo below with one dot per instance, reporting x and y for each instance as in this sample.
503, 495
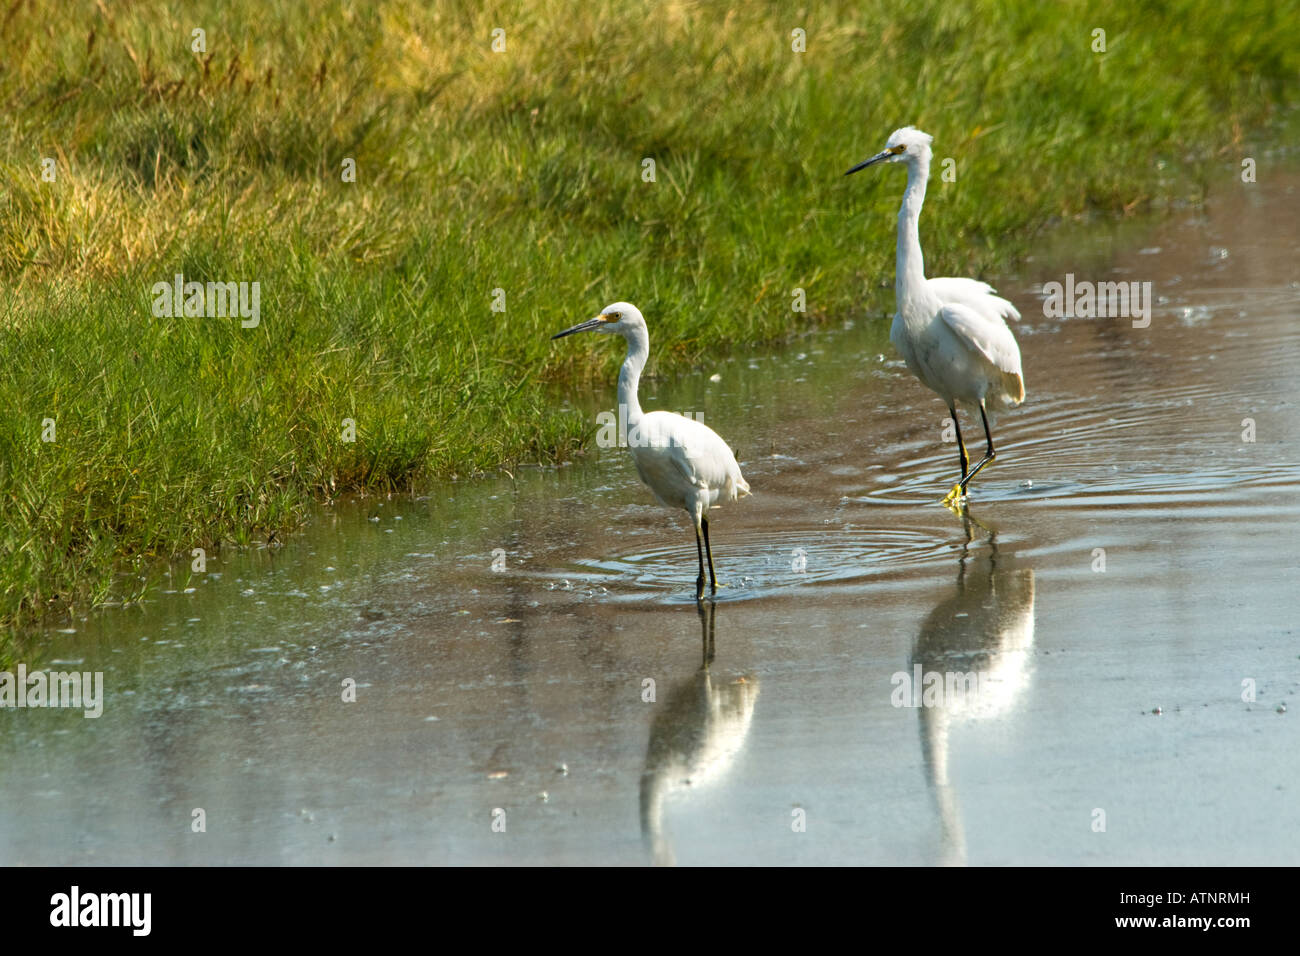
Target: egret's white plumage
952, 332
684, 462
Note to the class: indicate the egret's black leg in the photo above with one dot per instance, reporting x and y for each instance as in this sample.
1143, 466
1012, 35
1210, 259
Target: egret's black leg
961, 445
708, 548
988, 436
959, 489
699, 550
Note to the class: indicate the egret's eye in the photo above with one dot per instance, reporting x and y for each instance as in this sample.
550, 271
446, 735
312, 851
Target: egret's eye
615, 316
900, 148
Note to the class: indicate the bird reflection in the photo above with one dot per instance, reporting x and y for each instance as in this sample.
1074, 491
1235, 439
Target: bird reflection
699, 727
986, 629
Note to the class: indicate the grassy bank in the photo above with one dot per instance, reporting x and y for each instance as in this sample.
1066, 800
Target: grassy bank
520, 171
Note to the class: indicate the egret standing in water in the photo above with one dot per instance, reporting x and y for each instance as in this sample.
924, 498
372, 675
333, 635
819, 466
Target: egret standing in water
685, 463
952, 332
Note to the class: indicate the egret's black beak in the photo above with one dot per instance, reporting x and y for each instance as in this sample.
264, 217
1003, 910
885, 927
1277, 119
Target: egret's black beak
870, 162
587, 326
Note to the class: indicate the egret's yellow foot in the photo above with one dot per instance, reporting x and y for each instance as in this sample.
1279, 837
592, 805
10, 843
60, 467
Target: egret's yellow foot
955, 496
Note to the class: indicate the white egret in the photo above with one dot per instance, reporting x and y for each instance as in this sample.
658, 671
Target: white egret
952, 332
683, 461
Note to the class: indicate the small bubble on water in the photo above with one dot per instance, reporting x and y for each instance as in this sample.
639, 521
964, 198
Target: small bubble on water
1281, 708
1157, 711
1192, 315
562, 769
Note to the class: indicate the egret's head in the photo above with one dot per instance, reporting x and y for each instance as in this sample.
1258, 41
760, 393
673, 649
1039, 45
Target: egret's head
906, 145
619, 318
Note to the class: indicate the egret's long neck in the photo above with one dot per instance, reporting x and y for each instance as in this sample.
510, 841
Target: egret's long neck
629, 377
909, 266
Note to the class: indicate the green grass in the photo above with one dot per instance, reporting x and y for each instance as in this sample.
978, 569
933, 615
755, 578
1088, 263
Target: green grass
520, 171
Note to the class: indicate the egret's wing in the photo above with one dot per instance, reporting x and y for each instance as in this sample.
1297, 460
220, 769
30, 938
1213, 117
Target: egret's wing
976, 295
696, 452
706, 459
988, 336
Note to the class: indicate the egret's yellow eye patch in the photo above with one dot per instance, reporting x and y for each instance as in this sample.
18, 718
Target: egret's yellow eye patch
898, 149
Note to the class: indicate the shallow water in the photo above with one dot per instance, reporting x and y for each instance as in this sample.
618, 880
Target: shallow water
522, 690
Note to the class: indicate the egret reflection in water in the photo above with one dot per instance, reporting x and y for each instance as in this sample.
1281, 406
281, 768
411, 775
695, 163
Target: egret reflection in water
979, 642
699, 727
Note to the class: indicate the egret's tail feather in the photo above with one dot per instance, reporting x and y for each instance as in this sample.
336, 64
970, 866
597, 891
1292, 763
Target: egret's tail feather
1014, 384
